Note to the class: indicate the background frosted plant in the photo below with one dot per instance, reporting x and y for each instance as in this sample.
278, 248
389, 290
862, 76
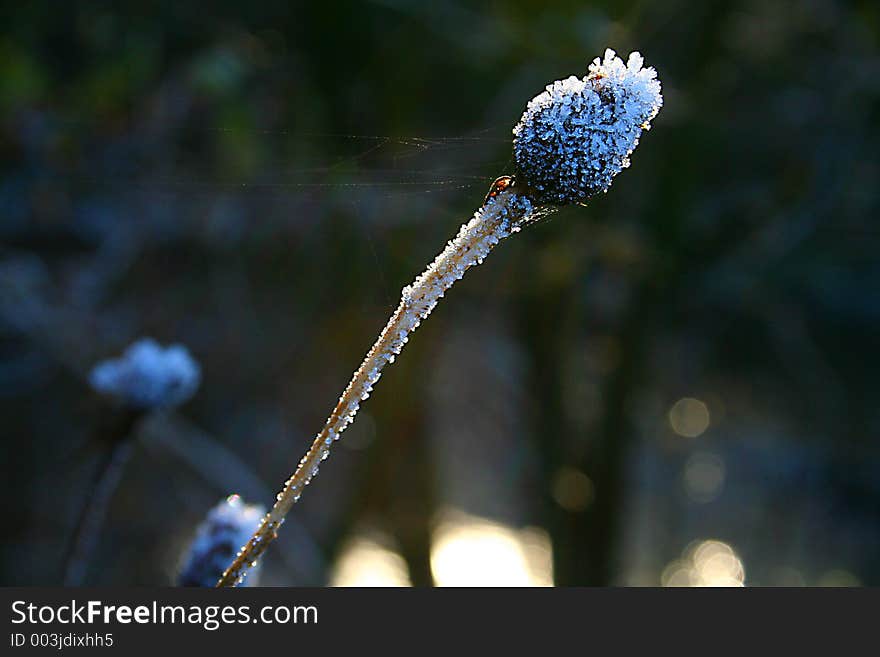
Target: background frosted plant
226, 527
147, 377
569, 144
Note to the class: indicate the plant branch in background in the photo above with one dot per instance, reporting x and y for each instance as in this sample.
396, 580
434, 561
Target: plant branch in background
118, 444
145, 379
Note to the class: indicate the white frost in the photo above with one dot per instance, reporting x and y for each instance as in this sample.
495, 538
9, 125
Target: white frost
498, 218
148, 376
226, 528
577, 134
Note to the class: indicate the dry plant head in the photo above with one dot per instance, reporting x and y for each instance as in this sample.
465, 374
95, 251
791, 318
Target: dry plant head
578, 134
223, 531
571, 141
146, 378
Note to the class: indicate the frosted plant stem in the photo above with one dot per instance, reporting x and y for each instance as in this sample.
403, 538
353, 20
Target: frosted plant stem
569, 144
503, 213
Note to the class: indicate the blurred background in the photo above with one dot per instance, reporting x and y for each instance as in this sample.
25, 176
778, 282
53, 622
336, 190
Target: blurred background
676, 385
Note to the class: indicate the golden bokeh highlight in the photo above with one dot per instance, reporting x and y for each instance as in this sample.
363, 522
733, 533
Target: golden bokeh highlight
689, 417
366, 561
468, 550
706, 563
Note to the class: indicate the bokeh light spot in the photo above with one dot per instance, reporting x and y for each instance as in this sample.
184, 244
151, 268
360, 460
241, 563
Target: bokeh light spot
366, 561
689, 417
471, 551
572, 489
839, 578
706, 563
703, 477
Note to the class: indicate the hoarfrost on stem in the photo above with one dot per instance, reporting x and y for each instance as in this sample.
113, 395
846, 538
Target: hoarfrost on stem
569, 144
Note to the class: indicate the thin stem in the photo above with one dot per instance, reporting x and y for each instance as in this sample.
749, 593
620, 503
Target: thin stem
91, 517
504, 212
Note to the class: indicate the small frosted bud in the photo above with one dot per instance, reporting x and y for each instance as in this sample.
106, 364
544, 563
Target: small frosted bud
228, 526
148, 376
577, 134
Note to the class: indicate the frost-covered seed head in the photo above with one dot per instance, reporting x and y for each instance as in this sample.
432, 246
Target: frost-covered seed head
227, 527
148, 376
575, 136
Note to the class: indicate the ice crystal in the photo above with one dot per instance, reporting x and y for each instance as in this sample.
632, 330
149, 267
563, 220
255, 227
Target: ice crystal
575, 136
227, 527
148, 376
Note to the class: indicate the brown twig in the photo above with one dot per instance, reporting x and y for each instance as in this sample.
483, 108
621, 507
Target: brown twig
504, 212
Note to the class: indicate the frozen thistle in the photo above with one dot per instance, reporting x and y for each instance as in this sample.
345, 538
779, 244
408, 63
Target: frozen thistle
226, 528
571, 141
577, 134
148, 376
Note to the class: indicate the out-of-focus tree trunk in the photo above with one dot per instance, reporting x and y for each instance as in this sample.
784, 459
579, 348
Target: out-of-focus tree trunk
585, 541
